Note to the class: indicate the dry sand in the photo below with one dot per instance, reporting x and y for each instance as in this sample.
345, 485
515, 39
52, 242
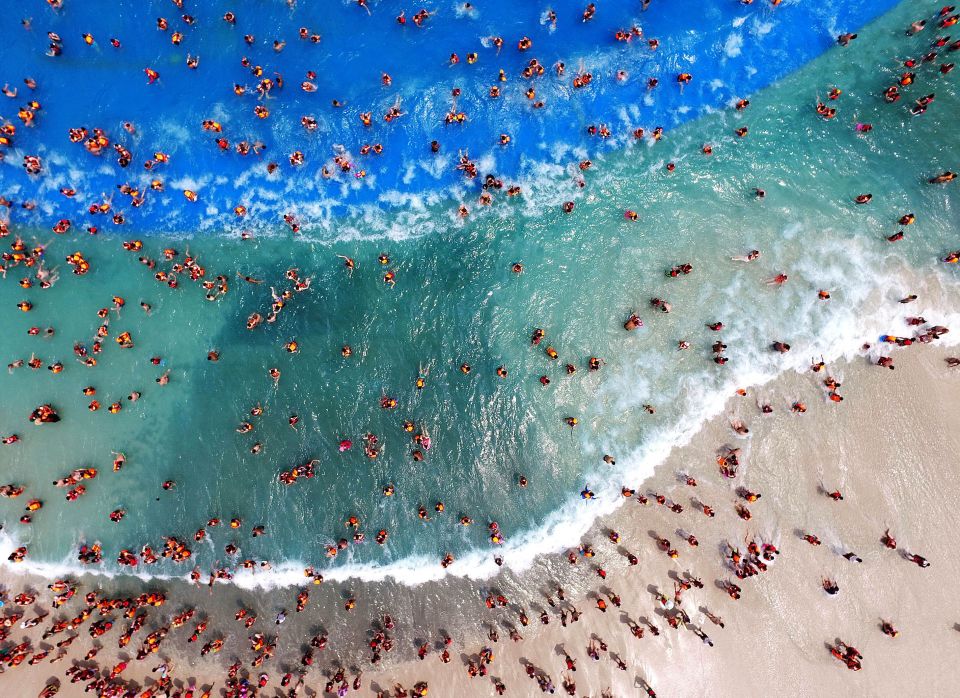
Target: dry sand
889, 447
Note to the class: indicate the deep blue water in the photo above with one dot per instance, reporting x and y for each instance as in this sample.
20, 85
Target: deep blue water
731, 50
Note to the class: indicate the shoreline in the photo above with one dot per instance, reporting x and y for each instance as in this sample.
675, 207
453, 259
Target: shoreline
768, 610
788, 614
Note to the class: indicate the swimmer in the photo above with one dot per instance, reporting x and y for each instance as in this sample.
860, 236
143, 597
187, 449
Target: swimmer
943, 178
751, 256
349, 263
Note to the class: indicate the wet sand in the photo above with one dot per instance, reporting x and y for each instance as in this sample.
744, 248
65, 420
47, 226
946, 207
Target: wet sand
889, 448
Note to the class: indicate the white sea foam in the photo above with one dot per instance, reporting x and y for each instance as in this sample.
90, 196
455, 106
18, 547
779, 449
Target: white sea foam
761, 28
733, 45
192, 183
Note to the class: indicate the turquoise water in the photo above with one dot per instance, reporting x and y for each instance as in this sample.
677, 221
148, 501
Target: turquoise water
457, 301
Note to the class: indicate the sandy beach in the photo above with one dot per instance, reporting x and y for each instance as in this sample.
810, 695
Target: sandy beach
888, 448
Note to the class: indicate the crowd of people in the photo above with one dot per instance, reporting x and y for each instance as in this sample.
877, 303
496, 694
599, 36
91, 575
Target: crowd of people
127, 620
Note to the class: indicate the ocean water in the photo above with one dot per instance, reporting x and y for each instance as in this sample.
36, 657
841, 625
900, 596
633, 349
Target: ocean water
457, 301
730, 49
